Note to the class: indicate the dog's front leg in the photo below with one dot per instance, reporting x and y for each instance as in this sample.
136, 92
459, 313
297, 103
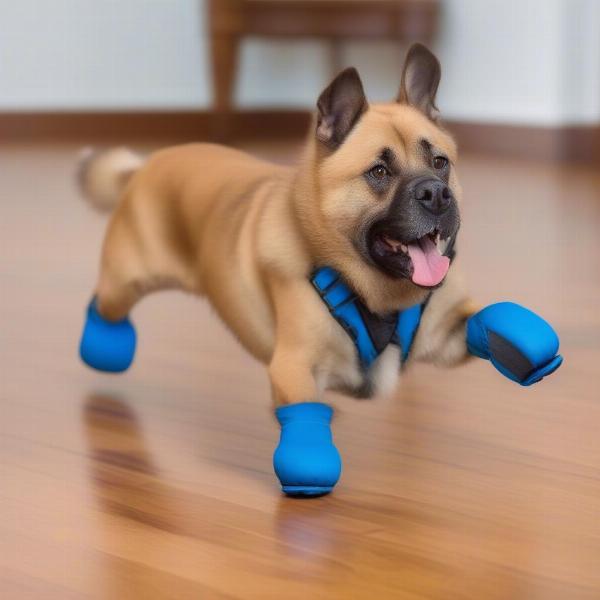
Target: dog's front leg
306, 461
441, 337
518, 342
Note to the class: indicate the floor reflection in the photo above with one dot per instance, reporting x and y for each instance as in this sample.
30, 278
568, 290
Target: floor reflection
127, 487
307, 531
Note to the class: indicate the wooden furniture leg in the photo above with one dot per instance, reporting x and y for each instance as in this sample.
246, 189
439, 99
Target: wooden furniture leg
224, 22
224, 48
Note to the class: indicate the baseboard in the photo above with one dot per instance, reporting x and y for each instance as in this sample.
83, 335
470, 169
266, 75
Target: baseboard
569, 143
181, 126
543, 143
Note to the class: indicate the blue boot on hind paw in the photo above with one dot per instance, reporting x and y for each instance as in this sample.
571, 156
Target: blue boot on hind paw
107, 345
306, 461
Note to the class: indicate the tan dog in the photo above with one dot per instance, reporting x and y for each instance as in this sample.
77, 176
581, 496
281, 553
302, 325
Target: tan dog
334, 273
374, 196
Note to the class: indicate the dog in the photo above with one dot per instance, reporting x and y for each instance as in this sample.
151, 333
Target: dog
375, 198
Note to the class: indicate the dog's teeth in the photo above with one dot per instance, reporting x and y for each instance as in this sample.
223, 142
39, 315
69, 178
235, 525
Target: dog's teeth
404, 247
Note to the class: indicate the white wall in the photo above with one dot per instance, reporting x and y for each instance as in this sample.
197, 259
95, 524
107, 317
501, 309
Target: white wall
580, 92
102, 54
517, 61
502, 60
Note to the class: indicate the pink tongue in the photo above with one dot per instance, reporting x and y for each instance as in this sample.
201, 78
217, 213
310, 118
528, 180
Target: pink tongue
430, 267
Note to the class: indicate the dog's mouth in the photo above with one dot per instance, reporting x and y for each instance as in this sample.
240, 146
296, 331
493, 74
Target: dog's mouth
421, 259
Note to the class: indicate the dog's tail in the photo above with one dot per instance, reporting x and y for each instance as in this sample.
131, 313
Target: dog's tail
103, 174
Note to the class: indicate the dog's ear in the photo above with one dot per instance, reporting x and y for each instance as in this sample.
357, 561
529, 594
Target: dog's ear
339, 107
420, 80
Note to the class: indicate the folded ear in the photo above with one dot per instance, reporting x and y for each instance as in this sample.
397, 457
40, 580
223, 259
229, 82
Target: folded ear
339, 107
420, 80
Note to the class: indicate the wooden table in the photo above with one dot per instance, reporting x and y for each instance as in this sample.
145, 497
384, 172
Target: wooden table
332, 20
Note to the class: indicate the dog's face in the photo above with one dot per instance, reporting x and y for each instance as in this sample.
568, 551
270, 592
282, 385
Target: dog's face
387, 184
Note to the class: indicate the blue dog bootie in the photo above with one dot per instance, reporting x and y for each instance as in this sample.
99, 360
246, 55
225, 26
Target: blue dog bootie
107, 345
306, 461
519, 343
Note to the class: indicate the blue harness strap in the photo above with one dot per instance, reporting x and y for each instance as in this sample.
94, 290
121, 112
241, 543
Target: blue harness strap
406, 328
341, 302
370, 333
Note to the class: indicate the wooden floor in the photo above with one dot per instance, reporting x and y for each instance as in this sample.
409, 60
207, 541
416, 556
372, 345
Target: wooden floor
158, 484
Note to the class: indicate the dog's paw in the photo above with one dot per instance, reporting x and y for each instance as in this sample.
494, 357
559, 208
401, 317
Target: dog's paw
306, 461
106, 345
519, 343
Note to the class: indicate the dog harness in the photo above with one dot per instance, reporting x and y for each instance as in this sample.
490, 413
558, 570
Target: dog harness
370, 333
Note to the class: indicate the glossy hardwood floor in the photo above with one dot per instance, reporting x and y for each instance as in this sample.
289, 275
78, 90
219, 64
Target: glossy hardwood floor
158, 484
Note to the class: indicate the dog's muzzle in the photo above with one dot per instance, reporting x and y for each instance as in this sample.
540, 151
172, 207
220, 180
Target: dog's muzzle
414, 239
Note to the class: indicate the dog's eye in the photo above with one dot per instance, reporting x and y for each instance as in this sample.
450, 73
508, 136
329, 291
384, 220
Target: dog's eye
440, 162
379, 172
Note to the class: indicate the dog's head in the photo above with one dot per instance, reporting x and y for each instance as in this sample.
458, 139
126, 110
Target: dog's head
385, 185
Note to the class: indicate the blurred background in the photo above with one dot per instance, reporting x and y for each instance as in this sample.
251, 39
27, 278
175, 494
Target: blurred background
158, 484
531, 64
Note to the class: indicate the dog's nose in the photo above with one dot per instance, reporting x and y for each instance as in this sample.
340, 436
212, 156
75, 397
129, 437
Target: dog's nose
434, 195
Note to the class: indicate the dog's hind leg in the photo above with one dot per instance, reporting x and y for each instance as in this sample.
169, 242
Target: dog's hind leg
127, 274
109, 338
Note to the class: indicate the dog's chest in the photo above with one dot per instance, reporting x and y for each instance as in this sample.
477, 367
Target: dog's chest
364, 350
341, 370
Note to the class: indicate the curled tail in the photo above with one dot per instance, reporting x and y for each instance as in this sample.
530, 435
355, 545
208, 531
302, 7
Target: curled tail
103, 175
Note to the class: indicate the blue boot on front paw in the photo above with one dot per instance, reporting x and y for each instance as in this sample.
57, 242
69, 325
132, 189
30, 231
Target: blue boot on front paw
519, 343
306, 461
107, 345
